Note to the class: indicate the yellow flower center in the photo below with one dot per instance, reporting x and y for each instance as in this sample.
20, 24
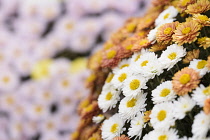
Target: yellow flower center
172, 56
109, 96
167, 30
184, 2
163, 137
148, 20
89, 108
141, 34
144, 63
38, 109
91, 78
201, 64
10, 100
186, 30
131, 103
65, 83
138, 123
137, 57
165, 92
130, 27
143, 42
201, 40
114, 128
166, 15
5, 79
125, 65
134, 84
122, 77
92, 138
69, 26
184, 79
161, 115
206, 91
129, 47
203, 17
111, 54
109, 78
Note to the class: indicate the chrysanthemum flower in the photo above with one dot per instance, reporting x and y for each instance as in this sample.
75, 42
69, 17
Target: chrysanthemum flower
186, 32
200, 6
157, 47
185, 81
159, 134
191, 55
206, 107
140, 44
200, 94
146, 65
137, 125
182, 4
202, 19
125, 63
201, 125
110, 57
133, 85
167, 16
120, 77
165, 32
163, 93
162, 116
172, 55
183, 105
108, 98
130, 106
204, 42
112, 127
200, 66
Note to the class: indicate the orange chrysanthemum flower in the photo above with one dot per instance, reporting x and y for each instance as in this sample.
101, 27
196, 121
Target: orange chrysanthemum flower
142, 43
165, 32
208, 63
122, 137
200, 6
95, 60
185, 81
186, 32
206, 107
157, 47
147, 116
182, 4
110, 58
204, 42
202, 19
191, 55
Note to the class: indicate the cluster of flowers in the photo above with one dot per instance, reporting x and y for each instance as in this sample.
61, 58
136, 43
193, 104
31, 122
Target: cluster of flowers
39, 86
150, 81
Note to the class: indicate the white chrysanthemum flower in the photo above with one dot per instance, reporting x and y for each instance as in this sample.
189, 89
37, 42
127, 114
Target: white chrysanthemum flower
147, 65
137, 55
161, 134
200, 94
152, 35
137, 124
120, 77
201, 125
130, 106
167, 15
98, 119
112, 127
133, 85
123, 64
162, 116
163, 93
183, 105
108, 98
9, 80
199, 65
172, 55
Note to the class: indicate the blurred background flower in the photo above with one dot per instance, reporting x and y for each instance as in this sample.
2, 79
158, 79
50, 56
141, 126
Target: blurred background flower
43, 50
